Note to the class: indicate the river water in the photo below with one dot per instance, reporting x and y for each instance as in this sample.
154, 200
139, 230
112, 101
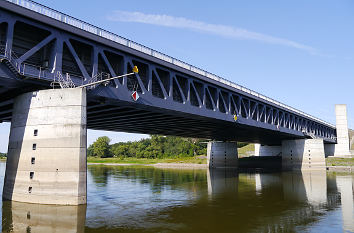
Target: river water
145, 199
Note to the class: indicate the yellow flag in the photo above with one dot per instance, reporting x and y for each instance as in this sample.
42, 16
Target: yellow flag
235, 117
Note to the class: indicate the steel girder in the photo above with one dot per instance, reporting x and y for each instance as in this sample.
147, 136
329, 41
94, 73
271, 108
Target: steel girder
164, 89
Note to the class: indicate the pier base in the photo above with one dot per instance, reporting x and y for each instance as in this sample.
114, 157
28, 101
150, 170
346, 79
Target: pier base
47, 148
222, 155
303, 154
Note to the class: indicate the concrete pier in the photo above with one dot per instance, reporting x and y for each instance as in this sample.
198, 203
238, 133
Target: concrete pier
222, 155
303, 154
344, 136
263, 150
341, 149
47, 148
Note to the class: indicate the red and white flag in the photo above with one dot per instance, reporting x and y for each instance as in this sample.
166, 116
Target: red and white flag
135, 96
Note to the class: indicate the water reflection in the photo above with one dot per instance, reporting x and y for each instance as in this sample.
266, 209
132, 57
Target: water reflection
145, 199
310, 187
24, 217
132, 198
221, 181
345, 186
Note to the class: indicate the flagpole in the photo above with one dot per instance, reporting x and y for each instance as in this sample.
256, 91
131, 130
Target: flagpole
135, 71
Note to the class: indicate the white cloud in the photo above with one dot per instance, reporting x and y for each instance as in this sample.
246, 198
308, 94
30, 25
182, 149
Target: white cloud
216, 29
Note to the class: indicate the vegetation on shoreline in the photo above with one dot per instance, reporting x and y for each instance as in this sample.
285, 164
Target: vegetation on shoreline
194, 160
245, 150
155, 147
3, 156
340, 161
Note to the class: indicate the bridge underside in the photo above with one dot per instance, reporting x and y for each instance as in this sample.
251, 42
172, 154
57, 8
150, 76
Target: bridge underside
141, 119
112, 115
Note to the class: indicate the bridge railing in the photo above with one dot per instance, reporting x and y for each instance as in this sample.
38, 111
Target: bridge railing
41, 9
24, 69
35, 71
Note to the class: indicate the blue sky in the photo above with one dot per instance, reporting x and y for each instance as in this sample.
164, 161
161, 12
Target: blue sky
298, 52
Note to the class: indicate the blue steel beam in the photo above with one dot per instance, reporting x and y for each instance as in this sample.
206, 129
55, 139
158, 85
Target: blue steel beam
163, 86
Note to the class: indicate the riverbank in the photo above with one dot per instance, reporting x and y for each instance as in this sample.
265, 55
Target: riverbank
340, 164
332, 164
144, 161
176, 163
200, 162
339, 161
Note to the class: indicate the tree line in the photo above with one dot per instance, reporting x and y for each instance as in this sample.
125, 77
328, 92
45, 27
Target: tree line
154, 147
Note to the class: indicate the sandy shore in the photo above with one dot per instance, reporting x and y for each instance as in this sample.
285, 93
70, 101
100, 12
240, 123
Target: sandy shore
340, 168
349, 169
180, 165
114, 164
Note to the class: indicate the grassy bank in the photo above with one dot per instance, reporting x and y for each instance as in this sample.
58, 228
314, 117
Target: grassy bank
246, 151
146, 161
340, 161
243, 152
195, 160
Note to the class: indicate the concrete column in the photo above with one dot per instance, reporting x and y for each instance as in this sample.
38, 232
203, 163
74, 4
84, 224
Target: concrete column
303, 154
47, 148
351, 139
26, 217
261, 150
222, 155
341, 149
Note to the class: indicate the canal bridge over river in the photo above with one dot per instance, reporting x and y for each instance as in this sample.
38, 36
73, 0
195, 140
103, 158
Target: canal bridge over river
41, 47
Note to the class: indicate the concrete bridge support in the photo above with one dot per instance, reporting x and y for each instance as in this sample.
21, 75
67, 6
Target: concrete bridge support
222, 155
341, 149
303, 154
263, 150
47, 148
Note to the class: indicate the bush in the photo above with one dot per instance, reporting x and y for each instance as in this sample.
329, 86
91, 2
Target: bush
154, 147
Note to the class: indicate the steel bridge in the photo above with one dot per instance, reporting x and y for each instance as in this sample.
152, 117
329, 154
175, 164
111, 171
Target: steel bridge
39, 45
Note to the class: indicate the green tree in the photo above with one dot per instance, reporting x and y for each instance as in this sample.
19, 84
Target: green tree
101, 147
156, 146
